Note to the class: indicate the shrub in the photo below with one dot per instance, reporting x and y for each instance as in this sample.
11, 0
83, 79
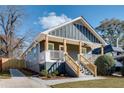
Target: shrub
62, 75
55, 73
49, 76
122, 71
44, 72
105, 64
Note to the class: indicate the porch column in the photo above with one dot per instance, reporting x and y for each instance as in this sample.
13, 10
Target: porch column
80, 47
46, 42
65, 46
102, 50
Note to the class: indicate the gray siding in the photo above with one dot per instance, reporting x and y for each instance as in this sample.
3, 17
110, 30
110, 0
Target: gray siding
32, 59
75, 31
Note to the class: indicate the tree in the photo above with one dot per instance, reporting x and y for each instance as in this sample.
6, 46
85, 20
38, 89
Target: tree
10, 19
110, 30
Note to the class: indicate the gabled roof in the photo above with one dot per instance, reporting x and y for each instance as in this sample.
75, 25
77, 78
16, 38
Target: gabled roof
66, 23
83, 22
107, 49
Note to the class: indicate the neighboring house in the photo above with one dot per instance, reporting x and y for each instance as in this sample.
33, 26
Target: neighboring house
118, 54
63, 48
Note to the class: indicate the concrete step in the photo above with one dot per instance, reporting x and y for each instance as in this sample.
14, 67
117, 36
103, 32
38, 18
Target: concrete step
84, 75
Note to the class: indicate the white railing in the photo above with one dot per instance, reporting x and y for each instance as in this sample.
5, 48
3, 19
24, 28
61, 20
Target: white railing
56, 55
51, 56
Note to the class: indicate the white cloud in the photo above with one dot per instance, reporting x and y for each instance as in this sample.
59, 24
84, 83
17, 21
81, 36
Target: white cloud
52, 20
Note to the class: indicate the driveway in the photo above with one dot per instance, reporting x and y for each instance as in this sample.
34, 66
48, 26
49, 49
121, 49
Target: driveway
19, 80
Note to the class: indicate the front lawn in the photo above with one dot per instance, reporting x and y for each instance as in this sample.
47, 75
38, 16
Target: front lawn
103, 83
5, 75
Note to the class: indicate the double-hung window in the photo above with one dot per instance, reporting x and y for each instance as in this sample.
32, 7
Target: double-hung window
51, 46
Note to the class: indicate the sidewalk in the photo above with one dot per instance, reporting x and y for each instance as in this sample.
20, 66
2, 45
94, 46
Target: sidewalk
83, 78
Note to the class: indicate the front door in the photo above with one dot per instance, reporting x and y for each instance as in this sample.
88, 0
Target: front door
61, 48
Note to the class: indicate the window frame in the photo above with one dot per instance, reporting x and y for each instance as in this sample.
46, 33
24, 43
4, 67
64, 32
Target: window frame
83, 50
52, 45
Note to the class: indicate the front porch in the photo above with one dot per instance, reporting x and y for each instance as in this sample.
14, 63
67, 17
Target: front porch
53, 45
53, 50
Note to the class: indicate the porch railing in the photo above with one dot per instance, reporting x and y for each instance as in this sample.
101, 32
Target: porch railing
90, 66
91, 57
56, 55
71, 63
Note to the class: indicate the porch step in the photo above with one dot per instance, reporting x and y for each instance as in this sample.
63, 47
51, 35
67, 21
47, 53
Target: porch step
83, 70
84, 75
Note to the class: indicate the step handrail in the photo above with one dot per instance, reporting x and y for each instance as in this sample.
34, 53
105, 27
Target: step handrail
90, 66
70, 61
92, 57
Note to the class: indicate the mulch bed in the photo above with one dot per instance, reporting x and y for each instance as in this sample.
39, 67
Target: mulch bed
54, 78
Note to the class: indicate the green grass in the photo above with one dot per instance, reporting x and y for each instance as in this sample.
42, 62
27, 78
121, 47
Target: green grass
103, 83
5, 75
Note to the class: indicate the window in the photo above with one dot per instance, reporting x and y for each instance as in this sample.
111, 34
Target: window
35, 51
41, 46
63, 32
50, 46
84, 50
60, 30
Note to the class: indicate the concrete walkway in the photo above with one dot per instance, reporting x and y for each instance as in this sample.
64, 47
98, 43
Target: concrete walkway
83, 78
16, 73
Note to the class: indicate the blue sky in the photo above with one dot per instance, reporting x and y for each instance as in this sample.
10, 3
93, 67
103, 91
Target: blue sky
93, 14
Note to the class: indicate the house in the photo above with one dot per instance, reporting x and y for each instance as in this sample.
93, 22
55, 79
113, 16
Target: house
118, 54
64, 47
